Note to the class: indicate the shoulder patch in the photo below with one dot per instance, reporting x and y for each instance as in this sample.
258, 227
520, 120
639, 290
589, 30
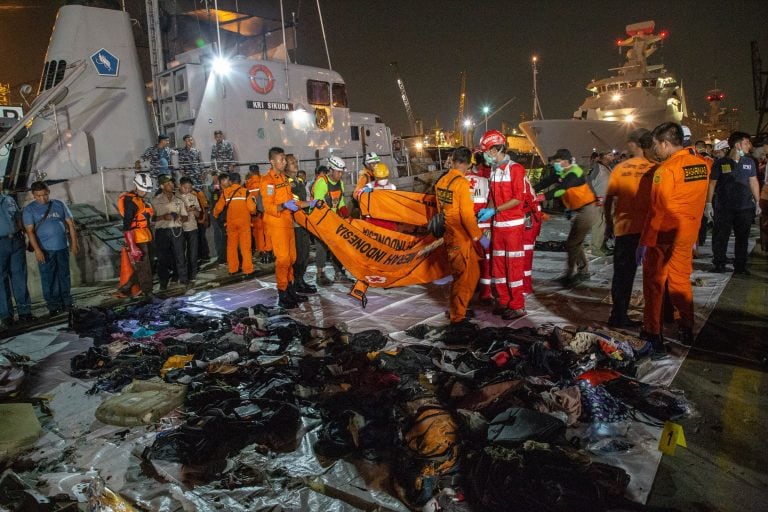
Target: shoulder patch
725, 168
445, 195
694, 172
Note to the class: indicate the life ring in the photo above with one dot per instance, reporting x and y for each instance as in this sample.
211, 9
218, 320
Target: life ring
261, 77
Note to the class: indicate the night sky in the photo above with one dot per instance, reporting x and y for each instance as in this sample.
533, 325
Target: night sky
493, 41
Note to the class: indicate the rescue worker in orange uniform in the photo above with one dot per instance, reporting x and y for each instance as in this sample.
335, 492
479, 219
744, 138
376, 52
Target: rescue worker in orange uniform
135, 269
626, 207
678, 195
239, 208
581, 203
253, 184
279, 205
461, 233
381, 174
505, 207
367, 175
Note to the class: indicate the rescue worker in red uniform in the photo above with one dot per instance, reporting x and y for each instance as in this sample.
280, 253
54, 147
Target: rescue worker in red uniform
478, 187
505, 207
678, 195
136, 270
454, 198
239, 208
581, 203
532, 228
279, 205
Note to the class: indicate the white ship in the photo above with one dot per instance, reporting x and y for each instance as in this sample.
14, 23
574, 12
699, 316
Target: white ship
637, 95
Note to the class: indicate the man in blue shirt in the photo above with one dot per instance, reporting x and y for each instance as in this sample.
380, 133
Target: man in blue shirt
13, 264
47, 222
158, 156
733, 184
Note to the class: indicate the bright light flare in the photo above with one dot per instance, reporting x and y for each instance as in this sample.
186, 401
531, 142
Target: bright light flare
630, 118
419, 145
467, 123
616, 97
221, 65
486, 109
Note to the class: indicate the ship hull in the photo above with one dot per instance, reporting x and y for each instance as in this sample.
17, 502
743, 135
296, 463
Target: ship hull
581, 137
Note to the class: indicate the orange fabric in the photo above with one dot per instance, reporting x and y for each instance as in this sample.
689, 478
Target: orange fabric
240, 204
140, 222
379, 257
241, 207
278, 223
202, 218
630, 184
126, 272
366, 177
678, 195
253, 185
399, 206
455, 198
579, 196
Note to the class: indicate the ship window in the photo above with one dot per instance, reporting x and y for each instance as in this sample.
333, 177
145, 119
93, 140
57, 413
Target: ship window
25, 165
60, 72
318, 93
42, 78
355, 132
49, 75
339, 95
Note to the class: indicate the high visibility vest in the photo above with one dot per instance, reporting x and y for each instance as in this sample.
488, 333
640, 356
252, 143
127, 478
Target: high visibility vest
581, 195
140, 221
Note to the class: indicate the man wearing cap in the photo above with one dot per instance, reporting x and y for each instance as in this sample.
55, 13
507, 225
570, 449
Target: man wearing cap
234, 208
736, 192
136, 267
505, 207
158, 157
331, 191
222, 153
170, 214
678, 194
626, 207
573, 190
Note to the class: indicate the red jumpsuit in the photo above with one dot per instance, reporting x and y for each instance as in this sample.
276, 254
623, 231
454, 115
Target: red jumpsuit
461, 232
478, 186
278, 223
678, 195
532, 229
507, 254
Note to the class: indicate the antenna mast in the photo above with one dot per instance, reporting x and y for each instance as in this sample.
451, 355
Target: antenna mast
536, 105
462, 103
404, 97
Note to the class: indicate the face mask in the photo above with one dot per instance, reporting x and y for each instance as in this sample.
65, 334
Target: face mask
383, 182
741, 153
489, 160
558, 167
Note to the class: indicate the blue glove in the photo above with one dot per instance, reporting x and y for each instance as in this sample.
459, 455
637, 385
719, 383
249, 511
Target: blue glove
313, 203
485, 214
291, 205
640, 254
368, 188
485, 242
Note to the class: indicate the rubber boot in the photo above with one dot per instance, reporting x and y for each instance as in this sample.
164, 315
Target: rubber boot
303, 287
294, 295
285, 301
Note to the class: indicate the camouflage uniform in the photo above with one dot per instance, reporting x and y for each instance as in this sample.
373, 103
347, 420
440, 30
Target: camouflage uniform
191, 165
159, 160
224, 155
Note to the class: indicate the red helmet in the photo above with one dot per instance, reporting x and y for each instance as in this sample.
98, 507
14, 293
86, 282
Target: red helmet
492, 138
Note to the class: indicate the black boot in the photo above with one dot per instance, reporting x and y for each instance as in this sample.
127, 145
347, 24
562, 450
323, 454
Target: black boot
285, 301
303, 287
295, 296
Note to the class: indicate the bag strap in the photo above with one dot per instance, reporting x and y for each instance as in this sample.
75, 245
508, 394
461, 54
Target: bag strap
439, 202
45, 216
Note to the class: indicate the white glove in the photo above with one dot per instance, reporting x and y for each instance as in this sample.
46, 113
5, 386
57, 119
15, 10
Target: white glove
758, 210
709, 213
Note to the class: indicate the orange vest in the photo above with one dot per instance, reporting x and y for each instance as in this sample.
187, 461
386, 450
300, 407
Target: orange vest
140, 222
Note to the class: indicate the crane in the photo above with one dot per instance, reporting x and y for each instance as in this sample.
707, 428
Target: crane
462, 102
404, 97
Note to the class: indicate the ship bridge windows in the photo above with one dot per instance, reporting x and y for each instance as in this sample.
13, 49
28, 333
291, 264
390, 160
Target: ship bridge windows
339, 95
649, 83
53, 73
355, 135
318, 92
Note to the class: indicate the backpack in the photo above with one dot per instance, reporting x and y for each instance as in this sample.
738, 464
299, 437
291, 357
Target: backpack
436, 224
517, 425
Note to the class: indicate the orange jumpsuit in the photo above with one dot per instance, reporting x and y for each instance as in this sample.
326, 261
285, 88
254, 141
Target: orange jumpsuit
365, 178
240, 207
461, 231
135, 277
278, 223
678, 195
257, 221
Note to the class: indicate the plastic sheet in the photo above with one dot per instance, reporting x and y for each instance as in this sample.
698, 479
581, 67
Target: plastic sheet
63, 457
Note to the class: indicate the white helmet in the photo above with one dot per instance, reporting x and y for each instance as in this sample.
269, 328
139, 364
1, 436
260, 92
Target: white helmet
721, 145
335, 163
371, 158
143, 181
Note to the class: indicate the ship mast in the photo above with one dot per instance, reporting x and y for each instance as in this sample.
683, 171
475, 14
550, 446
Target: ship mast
156, 60
536, 105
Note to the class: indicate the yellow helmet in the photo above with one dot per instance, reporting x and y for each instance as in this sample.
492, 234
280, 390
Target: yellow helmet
380, 171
